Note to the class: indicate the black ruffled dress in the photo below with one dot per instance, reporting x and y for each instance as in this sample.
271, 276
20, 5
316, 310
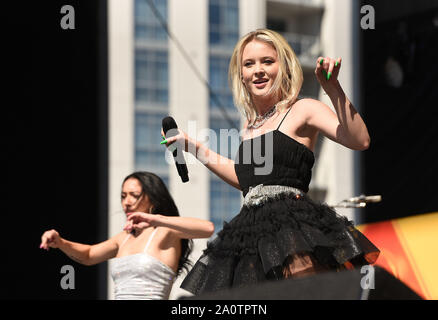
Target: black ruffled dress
277, 222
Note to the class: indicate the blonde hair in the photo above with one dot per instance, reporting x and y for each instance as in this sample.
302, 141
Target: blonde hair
287, 83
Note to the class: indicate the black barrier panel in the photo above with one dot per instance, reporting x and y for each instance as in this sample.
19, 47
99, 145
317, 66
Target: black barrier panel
399, 97
55, 145
371, 283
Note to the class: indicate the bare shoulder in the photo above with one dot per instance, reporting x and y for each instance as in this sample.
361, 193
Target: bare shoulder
311, 108
119, 237
301, 112
163, 233
167, 237
309, 104
169, 232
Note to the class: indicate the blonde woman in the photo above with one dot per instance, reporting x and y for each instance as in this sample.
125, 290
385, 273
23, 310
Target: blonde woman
280, 232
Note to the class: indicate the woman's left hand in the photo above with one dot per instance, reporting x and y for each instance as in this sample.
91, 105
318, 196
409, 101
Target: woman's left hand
140, 220
327, 72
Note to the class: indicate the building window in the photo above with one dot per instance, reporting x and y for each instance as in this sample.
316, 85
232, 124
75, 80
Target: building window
147, 25
218, 76
151, 87
227, 137
224, 202
223, 36
149, 154
151, 76
223, 22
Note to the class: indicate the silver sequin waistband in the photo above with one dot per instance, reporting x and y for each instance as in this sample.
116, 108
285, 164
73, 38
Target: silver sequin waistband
260, 194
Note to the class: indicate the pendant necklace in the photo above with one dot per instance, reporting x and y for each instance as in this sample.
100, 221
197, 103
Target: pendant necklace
260, 120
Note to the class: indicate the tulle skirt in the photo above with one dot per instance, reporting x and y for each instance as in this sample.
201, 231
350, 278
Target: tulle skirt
266, 242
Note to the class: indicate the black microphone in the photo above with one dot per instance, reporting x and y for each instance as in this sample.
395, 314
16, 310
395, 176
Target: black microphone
169, 125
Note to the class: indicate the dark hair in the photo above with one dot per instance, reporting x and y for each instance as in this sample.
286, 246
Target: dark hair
163, 203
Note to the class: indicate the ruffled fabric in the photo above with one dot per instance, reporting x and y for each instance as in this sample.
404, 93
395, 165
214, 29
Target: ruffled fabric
254, 246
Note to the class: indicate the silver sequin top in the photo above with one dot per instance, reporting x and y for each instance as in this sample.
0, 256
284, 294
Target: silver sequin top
260, 194
141, 276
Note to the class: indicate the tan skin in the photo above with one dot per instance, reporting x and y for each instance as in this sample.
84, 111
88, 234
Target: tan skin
307, 118
165, 246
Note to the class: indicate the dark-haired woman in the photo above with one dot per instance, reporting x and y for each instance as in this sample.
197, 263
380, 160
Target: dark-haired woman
153, 248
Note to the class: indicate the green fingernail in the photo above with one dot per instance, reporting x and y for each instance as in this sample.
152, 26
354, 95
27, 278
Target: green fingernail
321, 62
163, 142
329, 76
164, 138
336, 64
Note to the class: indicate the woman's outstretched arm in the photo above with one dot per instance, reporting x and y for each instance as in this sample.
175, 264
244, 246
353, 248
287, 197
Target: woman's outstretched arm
219, 165
183, 227
82, 253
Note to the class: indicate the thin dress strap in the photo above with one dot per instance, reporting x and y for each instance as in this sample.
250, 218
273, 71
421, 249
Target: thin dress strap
124, 241
284, 118
149, 240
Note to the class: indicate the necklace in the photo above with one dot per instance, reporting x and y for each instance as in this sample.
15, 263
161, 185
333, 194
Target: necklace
260, 120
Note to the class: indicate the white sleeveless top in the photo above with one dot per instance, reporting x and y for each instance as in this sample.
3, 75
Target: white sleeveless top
141, 276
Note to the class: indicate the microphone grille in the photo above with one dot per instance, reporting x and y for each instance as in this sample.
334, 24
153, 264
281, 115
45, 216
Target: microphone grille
168, 123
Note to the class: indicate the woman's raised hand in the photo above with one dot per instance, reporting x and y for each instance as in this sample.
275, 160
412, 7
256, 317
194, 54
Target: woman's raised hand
139, 220
50, 239
327, 71
181, 138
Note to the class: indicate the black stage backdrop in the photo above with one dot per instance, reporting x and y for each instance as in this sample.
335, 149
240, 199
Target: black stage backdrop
55, 145
401, 113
